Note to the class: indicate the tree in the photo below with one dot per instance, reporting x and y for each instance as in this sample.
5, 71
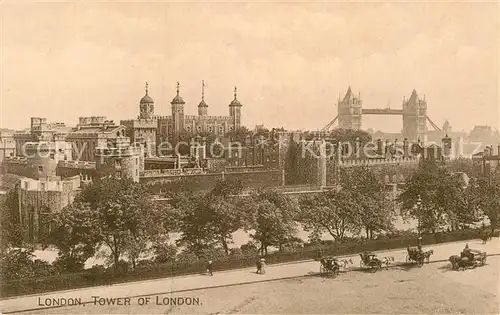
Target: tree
271, 215
489, 200
73, 235
334, 212
194, 224
19, 263
225, 215
239, 134
164, 251
369, 194
11, 230
123, 216
436, 198
463, 165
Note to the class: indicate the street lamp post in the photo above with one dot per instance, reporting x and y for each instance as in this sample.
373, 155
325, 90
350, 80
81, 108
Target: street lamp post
419, 216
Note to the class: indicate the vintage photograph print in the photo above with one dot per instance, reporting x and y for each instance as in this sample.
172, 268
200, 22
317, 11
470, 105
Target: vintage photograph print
249, 157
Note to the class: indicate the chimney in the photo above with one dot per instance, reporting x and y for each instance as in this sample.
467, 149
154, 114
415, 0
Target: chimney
486, 151
379, 147
322, 164
405, 148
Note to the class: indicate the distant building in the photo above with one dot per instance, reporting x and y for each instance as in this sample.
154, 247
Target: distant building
487, 161
40, 130
7, 144
90, 133
40, 159
119, 159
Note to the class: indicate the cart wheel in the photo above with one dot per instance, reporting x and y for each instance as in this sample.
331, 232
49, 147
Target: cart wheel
373, 267
335, 273
361, 264
407, 258
420, 262
321, 269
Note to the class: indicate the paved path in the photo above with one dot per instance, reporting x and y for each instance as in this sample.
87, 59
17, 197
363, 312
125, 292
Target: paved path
233, 277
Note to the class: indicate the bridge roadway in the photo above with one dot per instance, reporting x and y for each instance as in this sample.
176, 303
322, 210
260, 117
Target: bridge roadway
382, 111
165, 286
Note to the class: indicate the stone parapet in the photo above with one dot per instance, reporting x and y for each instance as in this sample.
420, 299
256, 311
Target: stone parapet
77, 164
15, 160
197, 117
374, 162
130, 151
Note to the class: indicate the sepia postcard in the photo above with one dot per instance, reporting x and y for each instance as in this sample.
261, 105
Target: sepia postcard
249, 157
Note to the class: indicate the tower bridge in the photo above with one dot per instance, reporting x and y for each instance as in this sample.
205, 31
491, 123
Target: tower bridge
414, 113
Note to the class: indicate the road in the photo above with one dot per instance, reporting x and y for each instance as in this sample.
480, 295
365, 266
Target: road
430, 289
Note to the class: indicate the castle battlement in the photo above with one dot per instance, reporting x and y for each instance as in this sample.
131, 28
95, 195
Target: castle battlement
196, 117
27, 184
374, 162
15, 160
141, 122
77, 164
171, 172
118, 151
86, 134
162, 117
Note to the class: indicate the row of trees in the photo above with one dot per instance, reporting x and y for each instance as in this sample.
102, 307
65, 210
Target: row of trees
440, 199
122, 217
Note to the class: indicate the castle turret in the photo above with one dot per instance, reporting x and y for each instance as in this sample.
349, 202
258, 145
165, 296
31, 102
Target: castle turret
146, 106
203, 107
349, 111
446, 146
235, 110
406, 152
414, 117
447, 127
177, 114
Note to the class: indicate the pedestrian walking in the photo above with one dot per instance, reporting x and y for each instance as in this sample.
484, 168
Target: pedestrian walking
259, 266
209, 268
262, 266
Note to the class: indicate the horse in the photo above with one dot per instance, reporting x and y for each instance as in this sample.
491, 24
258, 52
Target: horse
427, 255
456, 262
485, 237
344, 263
387, 261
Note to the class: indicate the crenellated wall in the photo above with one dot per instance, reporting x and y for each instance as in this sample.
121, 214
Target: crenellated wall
205, 182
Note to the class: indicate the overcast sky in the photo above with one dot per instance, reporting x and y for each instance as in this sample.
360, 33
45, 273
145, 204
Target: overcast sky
290, 61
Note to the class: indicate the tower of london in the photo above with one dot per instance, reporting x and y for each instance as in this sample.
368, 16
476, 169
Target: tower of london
150, 130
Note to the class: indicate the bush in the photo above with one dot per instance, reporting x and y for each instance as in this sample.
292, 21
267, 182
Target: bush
249, 248
66, 264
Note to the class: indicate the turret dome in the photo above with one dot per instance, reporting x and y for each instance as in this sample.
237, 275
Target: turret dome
235, 101
177, 99
146, 99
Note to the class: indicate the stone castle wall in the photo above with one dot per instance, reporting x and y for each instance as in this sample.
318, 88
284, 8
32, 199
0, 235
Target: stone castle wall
38, 199
205, 182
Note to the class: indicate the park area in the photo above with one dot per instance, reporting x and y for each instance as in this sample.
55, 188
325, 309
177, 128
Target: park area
299, 288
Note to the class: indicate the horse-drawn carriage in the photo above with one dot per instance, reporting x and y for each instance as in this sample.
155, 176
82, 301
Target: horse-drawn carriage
329, 266
371, 261
416, 255
468, 258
